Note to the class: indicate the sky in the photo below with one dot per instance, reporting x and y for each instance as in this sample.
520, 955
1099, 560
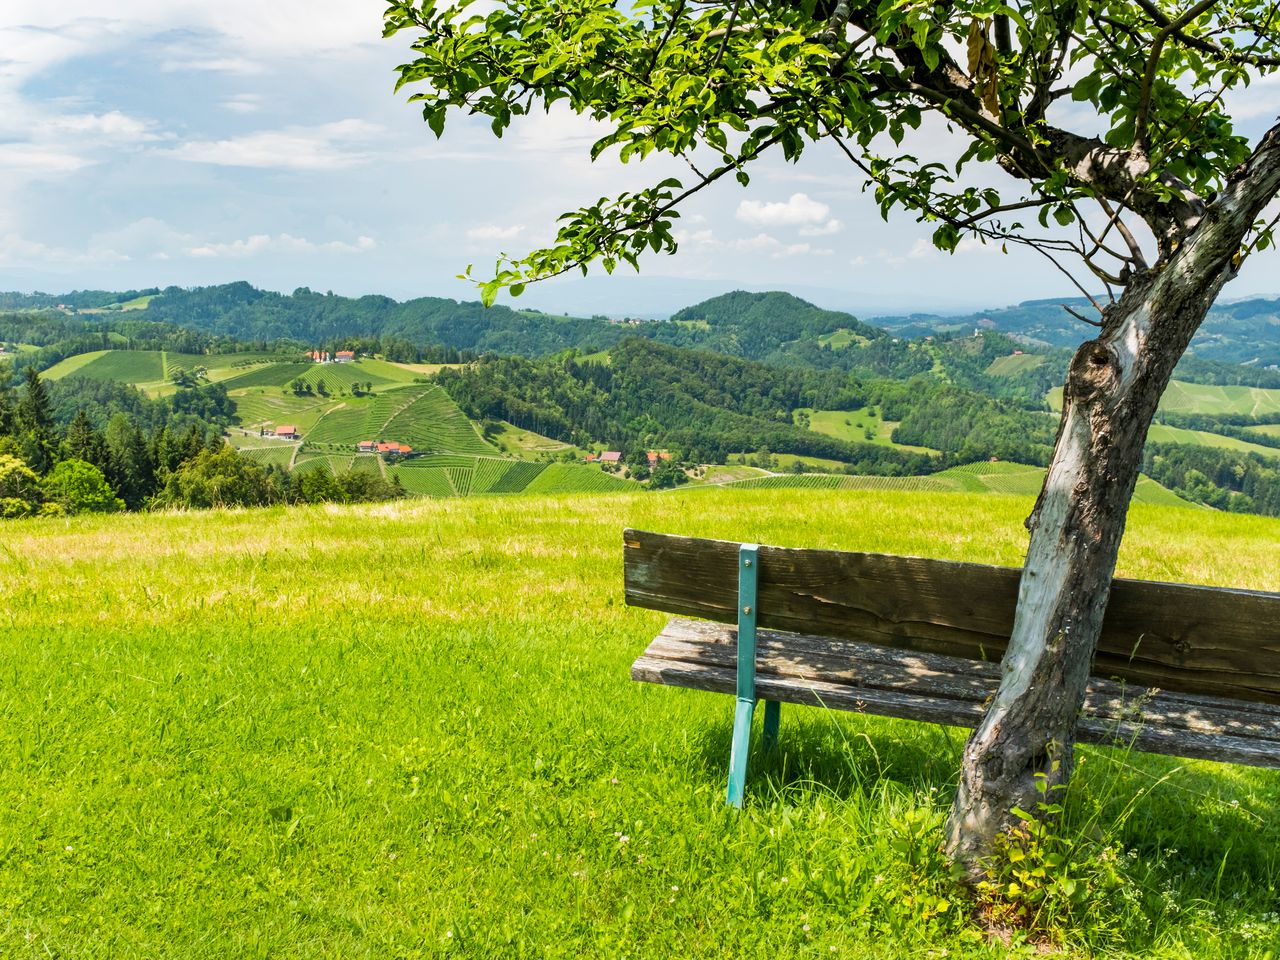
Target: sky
155, 142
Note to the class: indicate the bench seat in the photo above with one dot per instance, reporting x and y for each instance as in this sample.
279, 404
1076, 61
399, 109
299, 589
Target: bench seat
869, 678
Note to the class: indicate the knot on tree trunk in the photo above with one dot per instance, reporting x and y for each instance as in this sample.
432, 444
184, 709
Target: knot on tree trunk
1094, 371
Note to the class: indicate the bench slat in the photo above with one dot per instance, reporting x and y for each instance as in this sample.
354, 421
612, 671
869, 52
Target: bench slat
1199, 640
947, 690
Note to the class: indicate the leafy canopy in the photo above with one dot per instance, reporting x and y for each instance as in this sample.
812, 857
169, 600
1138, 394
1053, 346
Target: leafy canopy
719, 84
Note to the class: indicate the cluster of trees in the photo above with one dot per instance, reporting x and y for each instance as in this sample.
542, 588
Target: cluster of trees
969, 426
1225, 479
90, 446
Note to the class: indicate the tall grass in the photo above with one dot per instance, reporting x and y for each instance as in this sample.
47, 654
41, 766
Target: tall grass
407, 729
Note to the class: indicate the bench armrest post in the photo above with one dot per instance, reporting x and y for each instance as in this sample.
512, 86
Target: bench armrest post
748, 592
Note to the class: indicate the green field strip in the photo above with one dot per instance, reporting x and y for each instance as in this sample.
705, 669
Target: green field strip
576, 478
126, 366
487, 472
280, 454
307, 462
461, 478
1205, 399
365, 463
384, 370
1160, 433
424, 481
72, 365
266, 375
517, 477
1266, 429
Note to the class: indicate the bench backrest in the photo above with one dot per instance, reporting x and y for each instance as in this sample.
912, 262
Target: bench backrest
1208, 640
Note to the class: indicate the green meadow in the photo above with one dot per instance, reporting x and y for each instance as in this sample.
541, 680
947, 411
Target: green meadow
407, 730
1206, 399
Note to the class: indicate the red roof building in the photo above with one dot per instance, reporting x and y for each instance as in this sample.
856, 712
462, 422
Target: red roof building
611, 456
288, 432
344, 356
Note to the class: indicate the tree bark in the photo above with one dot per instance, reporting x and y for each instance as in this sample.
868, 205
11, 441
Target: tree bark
1113, 388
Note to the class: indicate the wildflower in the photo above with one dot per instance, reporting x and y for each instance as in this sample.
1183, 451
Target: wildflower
674, 888
614, 781
70, 849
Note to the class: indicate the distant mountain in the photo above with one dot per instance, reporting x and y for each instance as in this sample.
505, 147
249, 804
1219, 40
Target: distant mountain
1243, 332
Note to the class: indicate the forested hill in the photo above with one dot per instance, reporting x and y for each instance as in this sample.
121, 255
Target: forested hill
705, 406
245, 312
1244, 332
758, 323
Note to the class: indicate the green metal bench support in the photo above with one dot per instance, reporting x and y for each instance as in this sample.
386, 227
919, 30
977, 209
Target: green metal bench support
744, 708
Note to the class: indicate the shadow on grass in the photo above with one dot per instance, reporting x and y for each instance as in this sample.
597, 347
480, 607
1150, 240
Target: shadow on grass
838, 753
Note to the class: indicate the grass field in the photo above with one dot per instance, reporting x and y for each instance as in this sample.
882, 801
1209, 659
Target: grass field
1267, 429
407, 730
1160, 433
1002, 478
518, 442
72, 365
858, 426
1011, 365
839, 339
1183, 397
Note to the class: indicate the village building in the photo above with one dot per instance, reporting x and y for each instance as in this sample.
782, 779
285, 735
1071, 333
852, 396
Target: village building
287, 432
367, 446
344, 356
611, 456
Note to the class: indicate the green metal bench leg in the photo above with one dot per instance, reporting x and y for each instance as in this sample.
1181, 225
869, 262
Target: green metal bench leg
747, 582
772, 720
738, 752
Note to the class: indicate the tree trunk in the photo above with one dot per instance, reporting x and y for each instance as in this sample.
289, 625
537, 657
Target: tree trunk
1113, 387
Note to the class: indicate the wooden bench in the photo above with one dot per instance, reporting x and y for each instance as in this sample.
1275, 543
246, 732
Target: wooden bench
1181, 670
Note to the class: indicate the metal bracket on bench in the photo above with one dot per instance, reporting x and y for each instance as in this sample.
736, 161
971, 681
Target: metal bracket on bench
748, 597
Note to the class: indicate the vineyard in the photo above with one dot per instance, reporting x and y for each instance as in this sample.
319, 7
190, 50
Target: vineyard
452, 475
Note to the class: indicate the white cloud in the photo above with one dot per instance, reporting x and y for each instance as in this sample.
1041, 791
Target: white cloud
832, 226
15, 249
489, 232
283, 243
323, 147
35, 161
113, 126
775, 248
799, 210
243, 103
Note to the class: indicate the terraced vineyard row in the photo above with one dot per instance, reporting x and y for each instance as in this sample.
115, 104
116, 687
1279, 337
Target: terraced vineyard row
280, 454
447, 476
575, 478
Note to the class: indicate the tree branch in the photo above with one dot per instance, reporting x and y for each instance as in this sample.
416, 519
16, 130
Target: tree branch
1153, 62
1204, 46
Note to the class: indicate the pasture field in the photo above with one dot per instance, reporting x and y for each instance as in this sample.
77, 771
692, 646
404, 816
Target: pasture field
518, 442
1011, 365
1267, 429
72, 365
1183, 397
127, 366
1003, 478
858, 426
408, 730
839, 339
1161, 433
